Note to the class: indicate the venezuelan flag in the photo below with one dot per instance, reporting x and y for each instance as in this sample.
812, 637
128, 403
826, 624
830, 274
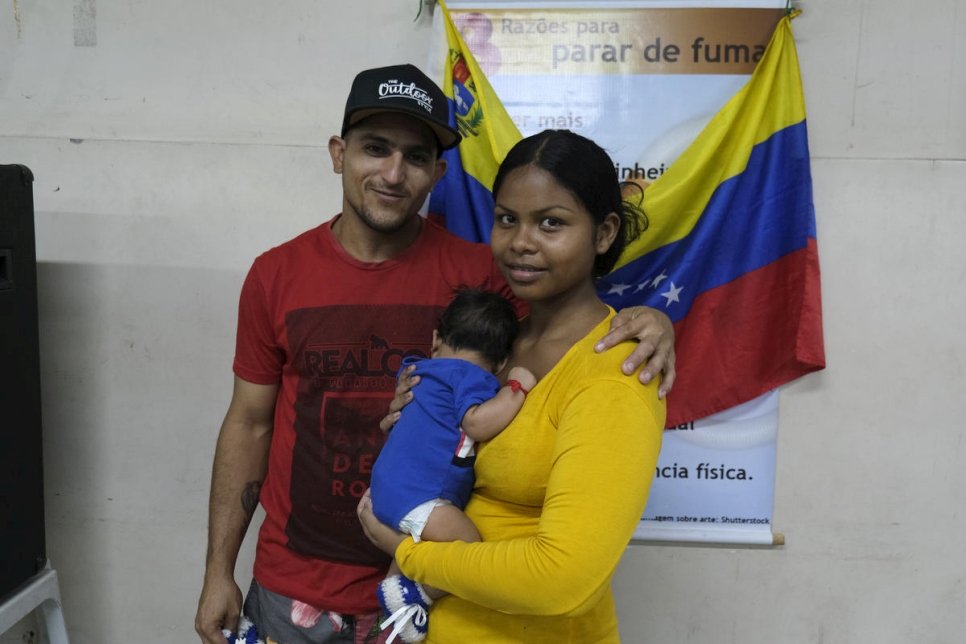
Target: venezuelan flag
730, 253
464, 196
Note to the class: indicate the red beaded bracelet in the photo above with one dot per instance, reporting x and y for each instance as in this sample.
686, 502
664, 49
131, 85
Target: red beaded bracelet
515, 386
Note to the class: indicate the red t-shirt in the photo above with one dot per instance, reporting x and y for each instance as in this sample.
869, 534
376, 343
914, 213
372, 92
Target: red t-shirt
331, 331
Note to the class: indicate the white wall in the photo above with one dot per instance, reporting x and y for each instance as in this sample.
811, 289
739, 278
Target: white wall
191, 137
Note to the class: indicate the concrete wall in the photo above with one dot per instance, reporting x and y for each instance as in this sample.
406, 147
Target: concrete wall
172, 142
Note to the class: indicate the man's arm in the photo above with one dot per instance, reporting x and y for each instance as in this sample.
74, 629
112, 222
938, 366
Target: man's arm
484, 421
241, 459
655, 335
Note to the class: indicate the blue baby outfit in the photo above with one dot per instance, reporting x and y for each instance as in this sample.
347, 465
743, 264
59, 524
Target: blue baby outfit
427, 456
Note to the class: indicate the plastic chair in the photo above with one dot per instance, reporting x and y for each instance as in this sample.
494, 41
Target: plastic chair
41, 592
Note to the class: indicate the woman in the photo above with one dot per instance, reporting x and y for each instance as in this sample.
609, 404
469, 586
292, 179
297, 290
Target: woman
558, 492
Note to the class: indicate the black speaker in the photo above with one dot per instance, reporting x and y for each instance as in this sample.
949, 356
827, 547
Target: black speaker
22, 541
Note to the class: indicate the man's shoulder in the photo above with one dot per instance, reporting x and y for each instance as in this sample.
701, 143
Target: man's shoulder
308, 241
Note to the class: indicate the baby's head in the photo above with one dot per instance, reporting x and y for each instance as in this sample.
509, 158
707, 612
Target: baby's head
477, 326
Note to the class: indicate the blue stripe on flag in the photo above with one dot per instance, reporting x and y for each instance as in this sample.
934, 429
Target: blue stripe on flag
745, 226
465, 203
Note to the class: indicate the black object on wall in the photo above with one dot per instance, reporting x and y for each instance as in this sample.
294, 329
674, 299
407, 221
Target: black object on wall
22, 541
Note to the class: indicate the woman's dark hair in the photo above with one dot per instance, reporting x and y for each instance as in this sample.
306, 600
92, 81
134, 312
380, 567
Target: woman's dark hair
480, 321
587, 171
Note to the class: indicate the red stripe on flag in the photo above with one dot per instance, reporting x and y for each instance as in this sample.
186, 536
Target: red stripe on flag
749, 336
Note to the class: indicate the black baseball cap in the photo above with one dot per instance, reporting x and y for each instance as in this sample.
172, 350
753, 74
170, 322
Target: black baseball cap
404, 89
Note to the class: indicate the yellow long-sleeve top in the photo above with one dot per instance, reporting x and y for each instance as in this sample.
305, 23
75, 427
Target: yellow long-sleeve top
557, 497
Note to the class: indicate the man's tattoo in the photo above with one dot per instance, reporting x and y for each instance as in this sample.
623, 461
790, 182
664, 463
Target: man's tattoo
249, 497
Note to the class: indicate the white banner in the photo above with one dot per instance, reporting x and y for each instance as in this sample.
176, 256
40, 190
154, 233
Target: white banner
715, 478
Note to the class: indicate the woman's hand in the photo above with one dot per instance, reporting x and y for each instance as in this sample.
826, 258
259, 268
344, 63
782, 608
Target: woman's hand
402, 398
655, 335
381, 535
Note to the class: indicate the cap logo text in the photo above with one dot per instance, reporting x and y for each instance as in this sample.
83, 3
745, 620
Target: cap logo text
394, 88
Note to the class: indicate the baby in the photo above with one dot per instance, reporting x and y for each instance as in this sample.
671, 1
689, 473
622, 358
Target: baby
424, 475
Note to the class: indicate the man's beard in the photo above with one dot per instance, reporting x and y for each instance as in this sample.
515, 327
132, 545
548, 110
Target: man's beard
380, 225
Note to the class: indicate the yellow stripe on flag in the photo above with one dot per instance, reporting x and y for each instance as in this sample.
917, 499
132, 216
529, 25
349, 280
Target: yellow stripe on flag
770, 101
492, 132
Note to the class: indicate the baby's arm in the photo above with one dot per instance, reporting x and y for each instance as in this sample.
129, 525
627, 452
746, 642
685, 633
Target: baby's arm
484, 421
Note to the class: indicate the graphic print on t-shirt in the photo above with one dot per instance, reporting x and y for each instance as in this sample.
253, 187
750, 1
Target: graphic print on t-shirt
344, 390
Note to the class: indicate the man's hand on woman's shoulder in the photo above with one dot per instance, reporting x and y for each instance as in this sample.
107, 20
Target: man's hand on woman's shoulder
655, 344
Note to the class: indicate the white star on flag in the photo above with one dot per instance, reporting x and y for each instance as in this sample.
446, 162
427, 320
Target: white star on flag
660, 278
618, 288
671, 295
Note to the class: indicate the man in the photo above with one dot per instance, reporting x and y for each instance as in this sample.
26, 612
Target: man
324, 322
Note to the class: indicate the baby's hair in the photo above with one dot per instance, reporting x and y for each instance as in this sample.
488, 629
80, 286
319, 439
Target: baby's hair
480, 321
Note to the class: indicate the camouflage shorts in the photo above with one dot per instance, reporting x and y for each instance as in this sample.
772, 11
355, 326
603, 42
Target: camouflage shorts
280, 620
